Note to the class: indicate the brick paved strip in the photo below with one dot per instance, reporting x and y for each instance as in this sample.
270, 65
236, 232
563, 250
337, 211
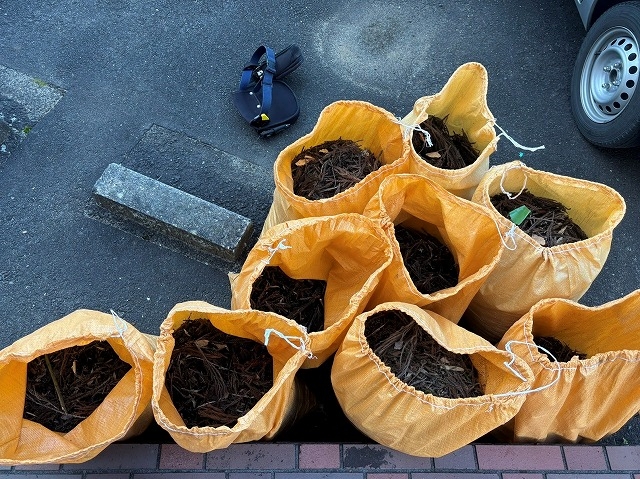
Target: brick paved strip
319, 475
192, 220
250, 475
173, 456
38, 467
120, 456
585, 458
253, 456
463, 458
39, 476
520, 457
319, 456
522, 475
598, 475
178, 475
624, 458
108, 475
380, 457
288, 461
453, 475
387, 475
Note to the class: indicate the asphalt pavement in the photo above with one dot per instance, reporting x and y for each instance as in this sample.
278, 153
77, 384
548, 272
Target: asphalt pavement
148, 85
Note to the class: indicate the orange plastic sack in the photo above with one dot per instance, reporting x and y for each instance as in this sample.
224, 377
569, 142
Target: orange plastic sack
125, 412
397, 415
579, 400
463, 100
348, 251
527, 271
286, 342
373, 128
464, 227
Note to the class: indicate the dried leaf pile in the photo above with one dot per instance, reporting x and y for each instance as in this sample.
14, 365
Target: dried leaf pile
330, 168
449, 151
215, 378
417, 359
66, 386
560, 350
548, 223
430, 263
301, 300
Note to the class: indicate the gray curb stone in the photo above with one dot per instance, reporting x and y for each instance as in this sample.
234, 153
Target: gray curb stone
37, 97
155, 205
23, 102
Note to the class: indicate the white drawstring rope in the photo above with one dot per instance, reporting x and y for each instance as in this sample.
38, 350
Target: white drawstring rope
507, 348
509, 235
504, 174
272, 251
408, 127
302, 347
515, 143
120, 324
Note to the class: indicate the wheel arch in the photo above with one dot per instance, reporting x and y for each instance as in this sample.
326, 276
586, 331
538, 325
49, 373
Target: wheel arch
591, 10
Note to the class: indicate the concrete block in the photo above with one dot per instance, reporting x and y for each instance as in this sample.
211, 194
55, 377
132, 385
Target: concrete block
35, 95
199, 223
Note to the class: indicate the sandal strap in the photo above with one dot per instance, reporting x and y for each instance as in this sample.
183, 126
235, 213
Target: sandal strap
266, 81
287, 60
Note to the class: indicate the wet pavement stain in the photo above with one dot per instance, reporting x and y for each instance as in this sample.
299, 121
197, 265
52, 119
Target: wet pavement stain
362, 457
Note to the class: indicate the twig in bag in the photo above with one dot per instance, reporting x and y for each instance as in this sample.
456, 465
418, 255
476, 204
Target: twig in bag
560, 350
450, 151
417, 359
56, 386
86, 375
301, 300
430, 263
330, 168
215, 378
548, 222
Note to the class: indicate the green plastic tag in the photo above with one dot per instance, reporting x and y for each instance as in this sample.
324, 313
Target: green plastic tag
519, 214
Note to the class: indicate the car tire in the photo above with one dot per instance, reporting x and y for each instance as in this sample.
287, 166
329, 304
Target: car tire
605, 95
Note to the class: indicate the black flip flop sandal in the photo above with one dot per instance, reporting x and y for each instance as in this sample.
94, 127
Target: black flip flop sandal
269, 105
287, 60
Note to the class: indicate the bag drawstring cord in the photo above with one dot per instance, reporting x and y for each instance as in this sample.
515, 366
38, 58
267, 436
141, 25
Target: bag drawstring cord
289, 340
507, 348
